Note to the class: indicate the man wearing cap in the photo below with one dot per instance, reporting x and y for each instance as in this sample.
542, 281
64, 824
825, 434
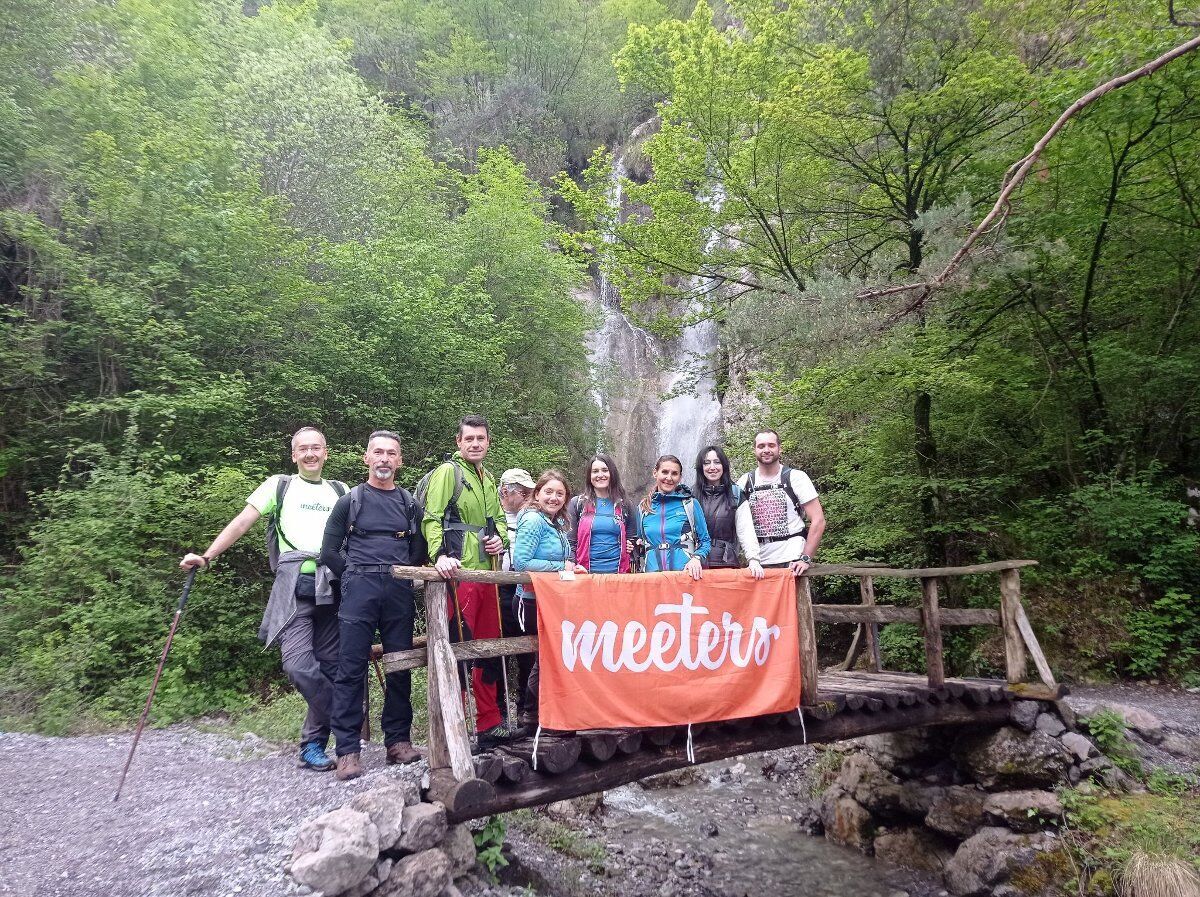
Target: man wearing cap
516, 485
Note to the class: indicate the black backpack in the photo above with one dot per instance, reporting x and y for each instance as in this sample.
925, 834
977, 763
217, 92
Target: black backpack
275, 533
413, 512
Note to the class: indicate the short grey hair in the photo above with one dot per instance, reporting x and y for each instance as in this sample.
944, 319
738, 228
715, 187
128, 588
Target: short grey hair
384, 434
296, 435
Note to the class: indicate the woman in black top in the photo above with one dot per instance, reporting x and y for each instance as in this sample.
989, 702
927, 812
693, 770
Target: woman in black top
719, 497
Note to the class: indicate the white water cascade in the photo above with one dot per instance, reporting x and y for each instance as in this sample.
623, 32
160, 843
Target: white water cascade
632, 373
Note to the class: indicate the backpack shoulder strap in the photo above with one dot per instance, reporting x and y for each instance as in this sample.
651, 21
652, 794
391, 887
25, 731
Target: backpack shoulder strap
339, 487
785, 479
690, 509
275, 524
356, 495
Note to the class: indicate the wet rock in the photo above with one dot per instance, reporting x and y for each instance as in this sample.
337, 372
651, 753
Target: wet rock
913, 847
1009, 758
847, 821
1078, 745
424, 874
1141, 720
459, 846
1023, 811
880, 791
988, 858
1186, 746
386, 806
904, 752
808, 819
676, 778
424, 827
576, 808
378, 875
1104, 771
1024, 714
451, 890
335, 851
1050, 724
957, 812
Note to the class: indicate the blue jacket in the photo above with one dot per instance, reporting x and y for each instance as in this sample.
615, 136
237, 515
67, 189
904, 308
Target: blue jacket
539, 546
663, 526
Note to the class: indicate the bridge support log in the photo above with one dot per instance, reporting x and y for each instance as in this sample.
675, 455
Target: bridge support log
808, 641
541, 789
931, 625
1014, 646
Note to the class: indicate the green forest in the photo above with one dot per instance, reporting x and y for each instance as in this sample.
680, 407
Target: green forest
221, 220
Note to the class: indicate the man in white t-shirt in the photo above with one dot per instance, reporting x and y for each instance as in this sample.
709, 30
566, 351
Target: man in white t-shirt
776, 499
301, 613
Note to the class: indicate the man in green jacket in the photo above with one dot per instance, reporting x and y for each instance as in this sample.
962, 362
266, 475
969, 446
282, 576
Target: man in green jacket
464, 526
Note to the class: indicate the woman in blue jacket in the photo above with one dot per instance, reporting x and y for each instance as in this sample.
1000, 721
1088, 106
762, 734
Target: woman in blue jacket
672, 523
540, 545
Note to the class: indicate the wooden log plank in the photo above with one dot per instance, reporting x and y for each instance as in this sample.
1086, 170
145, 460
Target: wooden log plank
1015, 662
866, 589
489, 767
629, 741
1035, 650
513, 769
890, 698
931, 628
448, 742
917, 683
886, 613
555, 755
855, 649
1036, 691
462, 799
541, 789
598, 746
660, 736
503, 577
808, 641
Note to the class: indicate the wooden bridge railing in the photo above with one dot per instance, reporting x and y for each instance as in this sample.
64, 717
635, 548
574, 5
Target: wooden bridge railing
451, 764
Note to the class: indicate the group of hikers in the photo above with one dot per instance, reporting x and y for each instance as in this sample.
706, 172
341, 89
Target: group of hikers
332, 549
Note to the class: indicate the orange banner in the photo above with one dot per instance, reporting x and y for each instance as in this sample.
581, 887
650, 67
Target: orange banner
662, 649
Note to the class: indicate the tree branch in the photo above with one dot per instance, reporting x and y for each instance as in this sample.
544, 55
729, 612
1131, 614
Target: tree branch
1014, 177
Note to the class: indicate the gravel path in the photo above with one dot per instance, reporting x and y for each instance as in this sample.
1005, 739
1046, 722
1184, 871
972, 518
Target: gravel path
200, 814
1178, 708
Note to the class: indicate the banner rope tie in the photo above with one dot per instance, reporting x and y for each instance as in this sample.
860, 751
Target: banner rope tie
536, 736
803, 729
691, 751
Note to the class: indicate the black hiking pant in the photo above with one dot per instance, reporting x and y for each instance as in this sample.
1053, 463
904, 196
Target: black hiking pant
510, 628
370, 602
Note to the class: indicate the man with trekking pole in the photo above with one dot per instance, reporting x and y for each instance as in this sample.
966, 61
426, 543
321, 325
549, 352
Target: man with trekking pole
464, 526
301, 613
375, 526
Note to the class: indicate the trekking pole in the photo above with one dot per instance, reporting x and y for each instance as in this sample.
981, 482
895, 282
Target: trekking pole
187, 588
365, 731
492, 530
379, 676
466, 672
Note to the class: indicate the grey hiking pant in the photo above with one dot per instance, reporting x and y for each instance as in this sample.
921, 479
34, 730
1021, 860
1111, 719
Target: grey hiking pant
310, 655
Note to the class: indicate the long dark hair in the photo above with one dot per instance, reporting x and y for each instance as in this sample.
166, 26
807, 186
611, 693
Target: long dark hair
615, 490
561, 517
662, 459
726, 481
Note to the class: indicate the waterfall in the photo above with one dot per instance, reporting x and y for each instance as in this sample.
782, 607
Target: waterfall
632, 372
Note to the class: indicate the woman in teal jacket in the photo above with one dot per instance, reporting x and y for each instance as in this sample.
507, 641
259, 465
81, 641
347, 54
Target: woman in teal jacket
672, 523
541, 546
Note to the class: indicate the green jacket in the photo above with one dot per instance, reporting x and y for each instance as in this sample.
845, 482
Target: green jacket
478, 501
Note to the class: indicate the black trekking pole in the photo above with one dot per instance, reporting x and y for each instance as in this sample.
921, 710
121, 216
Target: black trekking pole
187, 588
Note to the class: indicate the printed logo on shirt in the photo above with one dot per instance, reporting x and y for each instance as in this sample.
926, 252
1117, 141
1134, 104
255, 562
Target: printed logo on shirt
315, 506
770, 511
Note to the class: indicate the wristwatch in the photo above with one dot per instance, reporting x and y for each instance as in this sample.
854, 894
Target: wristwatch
805, 559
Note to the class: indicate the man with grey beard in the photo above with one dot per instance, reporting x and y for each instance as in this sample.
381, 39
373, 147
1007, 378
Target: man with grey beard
377, 525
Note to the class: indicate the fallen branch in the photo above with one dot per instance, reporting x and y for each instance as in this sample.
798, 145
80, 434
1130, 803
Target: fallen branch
1015, 176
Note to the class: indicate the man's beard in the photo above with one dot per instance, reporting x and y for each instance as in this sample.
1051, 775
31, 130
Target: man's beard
384, 473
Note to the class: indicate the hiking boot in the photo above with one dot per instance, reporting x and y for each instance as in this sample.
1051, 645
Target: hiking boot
402, 752
313, 756
495, 736
348, 767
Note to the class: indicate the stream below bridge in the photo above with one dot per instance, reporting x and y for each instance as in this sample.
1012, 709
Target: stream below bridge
725, 829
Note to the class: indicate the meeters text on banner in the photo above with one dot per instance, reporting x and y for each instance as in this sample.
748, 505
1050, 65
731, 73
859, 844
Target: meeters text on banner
662, 649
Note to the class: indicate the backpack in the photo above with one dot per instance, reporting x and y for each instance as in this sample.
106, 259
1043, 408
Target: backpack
785, 483
275, 533
356, 494
687, 534
451, 519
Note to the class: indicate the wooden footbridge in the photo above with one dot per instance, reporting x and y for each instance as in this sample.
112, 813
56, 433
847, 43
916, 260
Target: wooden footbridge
837, 704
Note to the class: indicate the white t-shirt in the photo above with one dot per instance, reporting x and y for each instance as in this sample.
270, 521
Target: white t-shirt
771, 512
306, 507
